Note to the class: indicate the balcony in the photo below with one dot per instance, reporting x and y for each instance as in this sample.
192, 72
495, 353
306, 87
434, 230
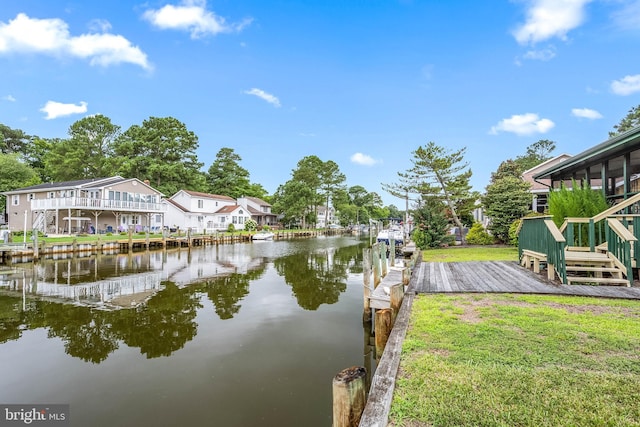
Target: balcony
95, 204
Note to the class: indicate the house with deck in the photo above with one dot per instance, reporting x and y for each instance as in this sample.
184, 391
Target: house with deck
204, 212
86, 206
603, 249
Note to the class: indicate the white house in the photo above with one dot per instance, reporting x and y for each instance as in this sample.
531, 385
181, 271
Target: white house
260, 210
203, 212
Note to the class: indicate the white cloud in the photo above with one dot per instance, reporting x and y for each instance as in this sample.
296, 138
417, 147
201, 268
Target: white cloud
9, 98
541, 54
99, 25
192, 16
547, 19
627, 85
264, 95
586, 113
58, 109
51, 36
628, 17
523, 124
363, 159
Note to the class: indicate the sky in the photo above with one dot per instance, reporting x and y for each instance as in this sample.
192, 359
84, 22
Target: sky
361, 83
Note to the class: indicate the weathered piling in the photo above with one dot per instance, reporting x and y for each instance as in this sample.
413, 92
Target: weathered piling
383, 326
383, 259
366, 271
349, 396
392, 251
377, 267
396, 295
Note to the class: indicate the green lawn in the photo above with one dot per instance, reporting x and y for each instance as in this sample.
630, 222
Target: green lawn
526, 360
471, 253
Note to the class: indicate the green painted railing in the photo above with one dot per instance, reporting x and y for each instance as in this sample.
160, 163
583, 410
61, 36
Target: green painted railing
540, 234
619, 242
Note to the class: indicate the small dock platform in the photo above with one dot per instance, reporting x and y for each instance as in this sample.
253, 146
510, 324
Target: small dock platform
504, 277
381, 296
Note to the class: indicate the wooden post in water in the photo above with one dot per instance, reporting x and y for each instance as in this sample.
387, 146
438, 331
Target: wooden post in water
392, 251
130, 239
383, 325
397, 294
349, 396
36, 255
366, 272
375, 253
383, 258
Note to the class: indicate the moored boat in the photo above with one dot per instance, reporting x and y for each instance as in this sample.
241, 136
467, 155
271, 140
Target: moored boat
263, 235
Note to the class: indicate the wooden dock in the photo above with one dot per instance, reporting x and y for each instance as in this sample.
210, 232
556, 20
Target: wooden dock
504, 277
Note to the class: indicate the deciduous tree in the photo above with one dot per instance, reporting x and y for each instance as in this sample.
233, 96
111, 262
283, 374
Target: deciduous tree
14, 174
86, 153
163, 151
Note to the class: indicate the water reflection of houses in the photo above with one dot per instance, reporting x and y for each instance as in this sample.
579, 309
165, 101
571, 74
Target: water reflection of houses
125, 280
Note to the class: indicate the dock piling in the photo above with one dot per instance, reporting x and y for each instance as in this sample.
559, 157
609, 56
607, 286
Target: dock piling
349, 396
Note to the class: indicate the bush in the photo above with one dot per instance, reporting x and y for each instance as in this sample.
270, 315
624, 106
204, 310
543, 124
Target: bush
478, 235
250, 225
513, 228
231, 228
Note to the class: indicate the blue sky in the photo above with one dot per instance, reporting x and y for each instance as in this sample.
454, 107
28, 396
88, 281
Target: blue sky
362, 83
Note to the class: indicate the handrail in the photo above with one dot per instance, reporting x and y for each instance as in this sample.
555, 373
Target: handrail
619, 240
540, 234
621, 230
615, 208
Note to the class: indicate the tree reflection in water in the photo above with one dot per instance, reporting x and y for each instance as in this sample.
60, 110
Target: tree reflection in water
167, 321
318, 277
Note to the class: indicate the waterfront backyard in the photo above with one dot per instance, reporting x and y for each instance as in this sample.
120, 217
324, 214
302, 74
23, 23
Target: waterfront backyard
500, 359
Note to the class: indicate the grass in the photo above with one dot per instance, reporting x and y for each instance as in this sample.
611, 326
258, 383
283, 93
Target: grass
471, 253
525, 360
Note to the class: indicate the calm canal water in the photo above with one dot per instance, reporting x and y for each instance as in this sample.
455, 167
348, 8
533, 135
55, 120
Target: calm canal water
231, 335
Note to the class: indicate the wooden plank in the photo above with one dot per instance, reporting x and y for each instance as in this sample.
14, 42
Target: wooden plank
444, 277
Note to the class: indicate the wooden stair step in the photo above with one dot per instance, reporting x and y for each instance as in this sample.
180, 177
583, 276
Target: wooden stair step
594, 269
602, 280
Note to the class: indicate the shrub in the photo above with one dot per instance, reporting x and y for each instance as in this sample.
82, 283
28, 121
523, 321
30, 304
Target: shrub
478, 236
231, 228
250, 225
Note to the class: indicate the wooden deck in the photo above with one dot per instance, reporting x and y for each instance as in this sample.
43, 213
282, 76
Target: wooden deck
503, 277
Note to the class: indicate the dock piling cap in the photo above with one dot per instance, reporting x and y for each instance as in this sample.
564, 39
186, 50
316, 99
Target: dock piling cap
350, 374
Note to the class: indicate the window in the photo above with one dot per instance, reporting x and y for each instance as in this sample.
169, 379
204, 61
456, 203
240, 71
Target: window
15, 199
234, 219
158, 218
240, 212
200, 204
222, 219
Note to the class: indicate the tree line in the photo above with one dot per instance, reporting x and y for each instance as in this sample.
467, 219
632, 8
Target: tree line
163, 151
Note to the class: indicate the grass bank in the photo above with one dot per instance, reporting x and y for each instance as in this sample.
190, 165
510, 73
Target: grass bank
471, 253
517, 360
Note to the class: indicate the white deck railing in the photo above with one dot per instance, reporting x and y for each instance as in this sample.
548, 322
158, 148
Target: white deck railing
97, 204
